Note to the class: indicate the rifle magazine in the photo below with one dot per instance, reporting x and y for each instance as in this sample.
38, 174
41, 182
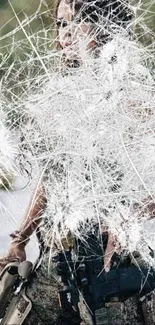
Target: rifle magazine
18, 310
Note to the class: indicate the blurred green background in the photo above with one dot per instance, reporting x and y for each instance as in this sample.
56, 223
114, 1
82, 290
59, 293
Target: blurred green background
35, 15
26, 40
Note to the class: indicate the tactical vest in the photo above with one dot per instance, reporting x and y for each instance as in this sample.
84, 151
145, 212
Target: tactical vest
124, 296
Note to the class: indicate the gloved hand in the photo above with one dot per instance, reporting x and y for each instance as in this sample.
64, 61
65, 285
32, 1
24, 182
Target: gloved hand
16, 251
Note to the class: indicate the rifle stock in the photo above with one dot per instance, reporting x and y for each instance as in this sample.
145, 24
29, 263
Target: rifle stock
8, 279
14, 304
18, 310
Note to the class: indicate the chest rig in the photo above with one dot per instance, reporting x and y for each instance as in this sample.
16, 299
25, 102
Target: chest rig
124, 295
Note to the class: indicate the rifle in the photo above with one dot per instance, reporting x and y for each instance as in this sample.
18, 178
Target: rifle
14, 303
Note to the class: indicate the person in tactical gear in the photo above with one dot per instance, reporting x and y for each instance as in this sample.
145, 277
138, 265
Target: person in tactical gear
81, 285
74, 20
